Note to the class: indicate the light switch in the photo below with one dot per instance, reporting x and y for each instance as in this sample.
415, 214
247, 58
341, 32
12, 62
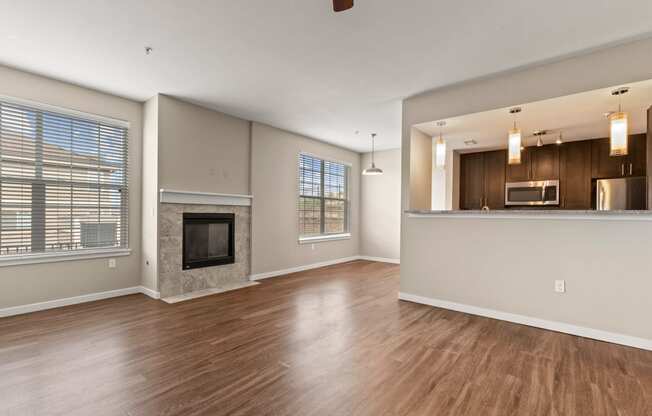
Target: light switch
560, 286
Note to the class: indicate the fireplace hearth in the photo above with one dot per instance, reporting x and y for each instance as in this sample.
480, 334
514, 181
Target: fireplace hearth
208, 240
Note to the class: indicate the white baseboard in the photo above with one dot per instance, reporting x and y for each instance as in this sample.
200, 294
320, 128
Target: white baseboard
267, 275
630, 341
149, 292
381, 259
57, 303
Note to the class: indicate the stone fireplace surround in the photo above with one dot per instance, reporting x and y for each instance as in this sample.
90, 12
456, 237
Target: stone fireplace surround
173, 280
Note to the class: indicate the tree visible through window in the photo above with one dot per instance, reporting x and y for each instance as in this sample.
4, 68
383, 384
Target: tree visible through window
63, 182
323, 197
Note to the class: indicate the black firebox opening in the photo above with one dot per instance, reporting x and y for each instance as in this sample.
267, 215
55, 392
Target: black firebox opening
208, 240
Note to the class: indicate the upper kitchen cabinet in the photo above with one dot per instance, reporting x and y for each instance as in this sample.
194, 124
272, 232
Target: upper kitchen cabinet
537, 164
637, 155
482, 180
544, 162
519, 172
606, 166
575, 175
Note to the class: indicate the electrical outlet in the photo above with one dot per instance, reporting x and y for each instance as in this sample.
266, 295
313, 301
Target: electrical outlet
112, 263
560, 286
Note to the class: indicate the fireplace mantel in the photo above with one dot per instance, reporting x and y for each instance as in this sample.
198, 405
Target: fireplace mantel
169, 196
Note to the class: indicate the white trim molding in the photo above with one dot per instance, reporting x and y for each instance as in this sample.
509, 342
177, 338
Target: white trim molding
57, 303
169, 196
54, 257
381, 259
325, 237
628, 340
150, 292
267, 275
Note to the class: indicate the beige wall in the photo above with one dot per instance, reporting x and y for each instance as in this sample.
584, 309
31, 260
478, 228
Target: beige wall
606, 264
38, 283
274, 184
420, 170
202, 150
380, 207
149, 238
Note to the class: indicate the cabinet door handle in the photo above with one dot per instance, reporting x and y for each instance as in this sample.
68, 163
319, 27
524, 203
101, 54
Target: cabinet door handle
622, 169
631, 169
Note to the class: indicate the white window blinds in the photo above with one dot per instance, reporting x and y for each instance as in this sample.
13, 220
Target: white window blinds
63, 182
323, 197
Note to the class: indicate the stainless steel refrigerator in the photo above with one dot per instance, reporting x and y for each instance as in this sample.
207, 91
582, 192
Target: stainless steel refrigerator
621, 194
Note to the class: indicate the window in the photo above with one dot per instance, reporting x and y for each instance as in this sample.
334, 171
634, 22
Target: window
323, 197
63, 181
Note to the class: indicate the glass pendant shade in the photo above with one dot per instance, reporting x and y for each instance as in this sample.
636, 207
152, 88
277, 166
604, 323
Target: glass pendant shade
514, 147
440, 153
619, 132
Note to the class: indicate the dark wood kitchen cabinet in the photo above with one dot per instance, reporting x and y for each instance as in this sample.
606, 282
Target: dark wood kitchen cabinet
638, 155
606, 166
521, 171
575, 175
544, 162
537, 164
471, 180
494, 179
482, 180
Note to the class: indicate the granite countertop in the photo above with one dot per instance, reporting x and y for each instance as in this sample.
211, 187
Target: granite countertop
535, 213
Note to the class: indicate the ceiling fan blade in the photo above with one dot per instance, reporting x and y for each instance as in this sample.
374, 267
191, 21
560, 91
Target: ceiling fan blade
341, 5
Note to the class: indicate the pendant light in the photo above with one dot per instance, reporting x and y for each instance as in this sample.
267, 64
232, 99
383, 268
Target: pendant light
514, 141
373, 170
559, 139
619, 128
440, 148
539, 134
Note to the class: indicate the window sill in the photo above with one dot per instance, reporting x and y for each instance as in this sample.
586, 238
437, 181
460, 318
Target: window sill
16, 260
322, 238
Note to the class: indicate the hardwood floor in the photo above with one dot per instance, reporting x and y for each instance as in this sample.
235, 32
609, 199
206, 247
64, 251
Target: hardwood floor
333, 341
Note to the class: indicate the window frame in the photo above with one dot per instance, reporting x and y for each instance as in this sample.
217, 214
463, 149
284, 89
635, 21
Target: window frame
83, 253
323, 235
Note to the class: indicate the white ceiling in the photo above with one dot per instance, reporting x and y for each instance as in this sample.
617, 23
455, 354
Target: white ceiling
578, 117
294, 63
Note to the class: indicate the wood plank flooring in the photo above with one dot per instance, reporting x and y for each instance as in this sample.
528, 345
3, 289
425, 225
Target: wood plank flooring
332, 341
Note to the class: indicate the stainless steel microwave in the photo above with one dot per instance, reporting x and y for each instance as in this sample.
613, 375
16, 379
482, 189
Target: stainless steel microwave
532, 193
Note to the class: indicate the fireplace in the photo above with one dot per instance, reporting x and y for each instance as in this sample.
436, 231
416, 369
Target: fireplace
208, 240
